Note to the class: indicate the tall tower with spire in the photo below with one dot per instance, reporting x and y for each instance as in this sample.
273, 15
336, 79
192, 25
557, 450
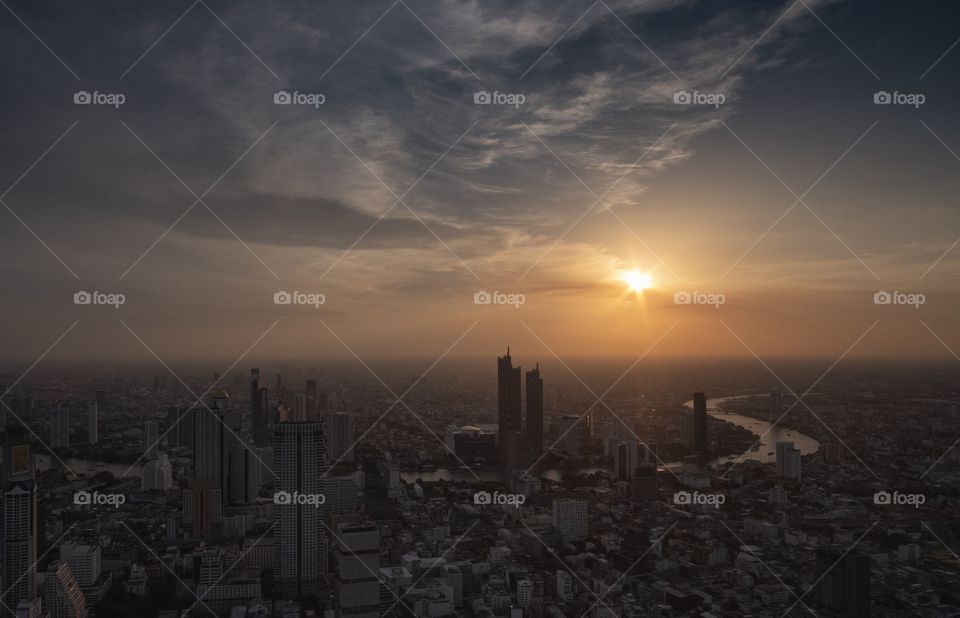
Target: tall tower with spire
509, 412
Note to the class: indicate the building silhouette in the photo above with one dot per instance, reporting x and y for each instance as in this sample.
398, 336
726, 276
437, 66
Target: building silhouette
92, 435
844, 586
62, 597
788, 460
300, 542
338, 430
19, 523
509, 413
203, 509
699, 425
535, 412
151, 439
208, 450
59, 428
358, 561
626, 459
258, 410
570, 519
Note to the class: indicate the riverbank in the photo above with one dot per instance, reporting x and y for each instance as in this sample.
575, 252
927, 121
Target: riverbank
769, 434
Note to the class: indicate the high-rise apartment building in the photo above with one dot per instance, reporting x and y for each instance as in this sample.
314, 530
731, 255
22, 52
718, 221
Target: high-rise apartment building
157, 475
300, 546
19, 519
788, 460
62, 597
59, 428
210, 437
202, 509
626, 460
339, 432
85, 562
151, 439
570, 519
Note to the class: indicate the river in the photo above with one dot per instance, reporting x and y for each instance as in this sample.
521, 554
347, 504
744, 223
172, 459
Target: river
769, 437
765, 452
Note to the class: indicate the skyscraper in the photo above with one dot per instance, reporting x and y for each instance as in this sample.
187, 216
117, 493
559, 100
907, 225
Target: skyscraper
626, 460
509, 414
570, 518
312, 403
151, 433
788, 460
358, 561
643, 487
210, 435
699, 424
93, 436
85, 562
258, 411
535, 412
243, 473
157, 475
18, 526
844, 583
573, 432
299, 545
339, 432
651, 456
59, 428
180, 426
261, 420
202, 509
776, 403
62, 597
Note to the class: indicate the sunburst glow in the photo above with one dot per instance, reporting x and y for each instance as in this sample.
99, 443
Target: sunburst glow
637, 280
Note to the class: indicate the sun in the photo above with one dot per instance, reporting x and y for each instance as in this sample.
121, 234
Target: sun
637, 280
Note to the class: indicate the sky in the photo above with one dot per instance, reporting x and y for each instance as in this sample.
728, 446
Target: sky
784, 198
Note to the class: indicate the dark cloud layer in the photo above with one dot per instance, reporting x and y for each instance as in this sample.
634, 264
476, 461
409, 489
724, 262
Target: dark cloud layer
491, 187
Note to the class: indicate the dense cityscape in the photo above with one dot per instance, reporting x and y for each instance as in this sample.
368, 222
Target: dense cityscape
479, 309
280, 494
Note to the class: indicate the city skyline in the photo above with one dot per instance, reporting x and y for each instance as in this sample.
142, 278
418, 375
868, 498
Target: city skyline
259, 259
